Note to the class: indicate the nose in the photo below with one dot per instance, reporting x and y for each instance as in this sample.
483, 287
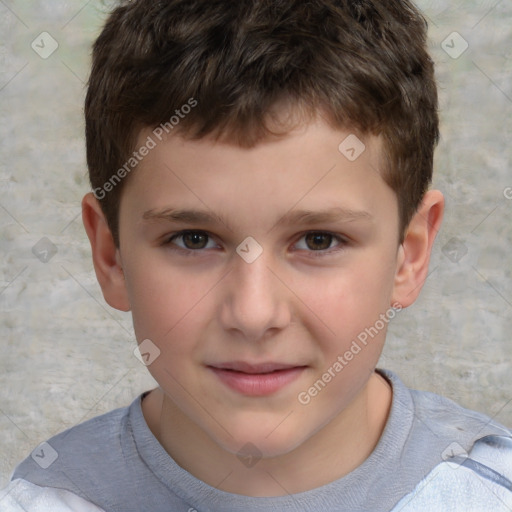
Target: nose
255, 302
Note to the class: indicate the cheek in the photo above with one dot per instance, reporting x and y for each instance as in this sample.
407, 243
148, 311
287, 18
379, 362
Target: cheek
345, 301
350, 328
171, 310
163, 298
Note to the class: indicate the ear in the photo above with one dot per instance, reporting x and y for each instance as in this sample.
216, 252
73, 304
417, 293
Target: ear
414, 253
105, 254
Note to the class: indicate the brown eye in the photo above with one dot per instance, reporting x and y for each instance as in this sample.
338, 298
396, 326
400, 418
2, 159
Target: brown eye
318, 241
191, 242
195, 240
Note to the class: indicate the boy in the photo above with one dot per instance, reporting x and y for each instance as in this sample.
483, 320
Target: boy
227, 143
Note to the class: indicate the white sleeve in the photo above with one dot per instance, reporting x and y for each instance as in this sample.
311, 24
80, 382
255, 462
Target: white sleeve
479, 482
23, 496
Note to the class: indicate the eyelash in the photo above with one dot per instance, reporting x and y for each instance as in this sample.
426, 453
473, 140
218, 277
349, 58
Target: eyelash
342, 243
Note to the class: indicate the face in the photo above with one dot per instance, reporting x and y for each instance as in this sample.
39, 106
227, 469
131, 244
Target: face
256, 273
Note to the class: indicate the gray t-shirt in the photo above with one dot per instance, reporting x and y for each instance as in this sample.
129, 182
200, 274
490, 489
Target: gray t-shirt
421, 460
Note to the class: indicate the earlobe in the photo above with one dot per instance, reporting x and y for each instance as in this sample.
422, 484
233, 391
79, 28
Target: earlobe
105, 254
414, 253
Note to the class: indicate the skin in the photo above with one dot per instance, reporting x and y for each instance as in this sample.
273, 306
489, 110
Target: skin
299, 302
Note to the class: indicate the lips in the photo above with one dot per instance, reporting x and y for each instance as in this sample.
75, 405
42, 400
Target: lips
241, 366
256, 379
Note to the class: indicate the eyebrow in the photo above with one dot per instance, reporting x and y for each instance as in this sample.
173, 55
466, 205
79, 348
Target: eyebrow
192, 217
302, 217
330, 215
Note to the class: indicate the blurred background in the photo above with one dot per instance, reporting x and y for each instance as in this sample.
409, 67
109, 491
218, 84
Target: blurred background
66, 356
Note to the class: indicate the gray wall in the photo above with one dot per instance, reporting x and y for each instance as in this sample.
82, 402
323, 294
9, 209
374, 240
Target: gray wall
65, 356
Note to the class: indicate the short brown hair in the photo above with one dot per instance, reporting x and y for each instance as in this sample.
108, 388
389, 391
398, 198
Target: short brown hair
362, 63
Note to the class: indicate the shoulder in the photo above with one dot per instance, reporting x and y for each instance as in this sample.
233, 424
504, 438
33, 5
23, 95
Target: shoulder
480, 480
461, 429
437, 418
469, 454
23, 496
81, 458
439, 411
81, 442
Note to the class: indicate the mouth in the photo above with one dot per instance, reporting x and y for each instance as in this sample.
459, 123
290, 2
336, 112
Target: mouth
256, 379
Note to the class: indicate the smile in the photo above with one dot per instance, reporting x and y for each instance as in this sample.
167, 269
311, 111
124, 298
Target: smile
256, 380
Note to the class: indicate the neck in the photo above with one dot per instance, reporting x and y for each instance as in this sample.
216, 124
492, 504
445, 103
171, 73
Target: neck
331, 453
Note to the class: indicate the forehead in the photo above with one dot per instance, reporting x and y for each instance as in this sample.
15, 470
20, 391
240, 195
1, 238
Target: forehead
312, 167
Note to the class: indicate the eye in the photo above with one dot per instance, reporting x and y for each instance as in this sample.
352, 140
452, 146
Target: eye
319, 241
192, 240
